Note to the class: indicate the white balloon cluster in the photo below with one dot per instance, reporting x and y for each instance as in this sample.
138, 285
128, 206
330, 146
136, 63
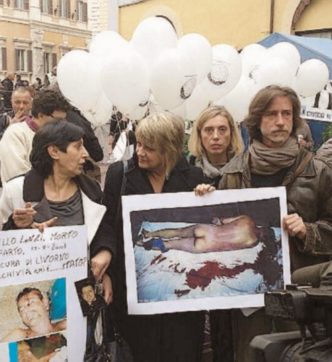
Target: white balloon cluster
157, 71
279, 64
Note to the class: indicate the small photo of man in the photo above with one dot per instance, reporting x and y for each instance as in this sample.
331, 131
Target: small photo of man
89, 299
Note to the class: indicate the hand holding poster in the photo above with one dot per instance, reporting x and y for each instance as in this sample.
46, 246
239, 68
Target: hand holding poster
220, 251
37, 275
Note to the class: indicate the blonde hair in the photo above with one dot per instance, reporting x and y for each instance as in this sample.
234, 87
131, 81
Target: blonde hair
195, 143
164, 132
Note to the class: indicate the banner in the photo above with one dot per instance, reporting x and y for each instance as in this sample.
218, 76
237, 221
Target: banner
223, 250
317, 114
40, 313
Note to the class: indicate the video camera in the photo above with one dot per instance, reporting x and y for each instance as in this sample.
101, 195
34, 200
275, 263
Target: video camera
311, 308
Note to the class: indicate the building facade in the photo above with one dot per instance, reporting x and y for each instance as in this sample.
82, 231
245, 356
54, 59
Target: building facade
235, 22
35, 34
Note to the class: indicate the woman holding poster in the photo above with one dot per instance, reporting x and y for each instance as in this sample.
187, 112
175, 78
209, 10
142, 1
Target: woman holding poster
214, 141
157, 167
56, 193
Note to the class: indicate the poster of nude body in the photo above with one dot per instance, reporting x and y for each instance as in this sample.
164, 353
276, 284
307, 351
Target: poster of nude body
40, 314
219, 251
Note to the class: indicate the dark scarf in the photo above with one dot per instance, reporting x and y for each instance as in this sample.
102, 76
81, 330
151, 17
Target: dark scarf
268, 161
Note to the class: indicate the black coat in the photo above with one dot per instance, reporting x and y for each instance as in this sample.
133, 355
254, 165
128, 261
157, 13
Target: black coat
155, 338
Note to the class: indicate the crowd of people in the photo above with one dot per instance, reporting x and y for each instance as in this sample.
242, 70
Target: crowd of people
45, 145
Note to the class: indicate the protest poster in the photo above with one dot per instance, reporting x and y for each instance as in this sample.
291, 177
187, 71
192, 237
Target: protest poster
223, 250
40, 314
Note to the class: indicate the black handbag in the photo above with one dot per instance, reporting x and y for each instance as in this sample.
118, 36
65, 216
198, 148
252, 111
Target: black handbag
108, 346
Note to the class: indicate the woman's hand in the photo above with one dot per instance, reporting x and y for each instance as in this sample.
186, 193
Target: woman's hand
203, 189
100, 262
108, 288
295, 226
23, 218
42, 225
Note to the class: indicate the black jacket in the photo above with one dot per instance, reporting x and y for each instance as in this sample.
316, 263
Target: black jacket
161, 337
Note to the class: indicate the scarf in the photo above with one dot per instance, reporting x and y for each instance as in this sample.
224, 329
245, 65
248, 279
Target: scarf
31, 123
268, 161
208, 169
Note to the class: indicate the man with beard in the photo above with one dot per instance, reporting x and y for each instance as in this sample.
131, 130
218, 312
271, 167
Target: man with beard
275, 158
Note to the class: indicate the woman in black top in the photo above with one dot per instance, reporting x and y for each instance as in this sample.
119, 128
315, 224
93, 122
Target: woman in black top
157, 167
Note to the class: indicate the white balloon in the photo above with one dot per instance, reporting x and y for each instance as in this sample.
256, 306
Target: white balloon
125, 80
307, 101
101, 112
225, 71
273, 71
78, 76
152, 36
311, 77
200, 51
106, 43
252, 55
172, 79
196, 103
180, 111
237, 100
138, 113
288, 52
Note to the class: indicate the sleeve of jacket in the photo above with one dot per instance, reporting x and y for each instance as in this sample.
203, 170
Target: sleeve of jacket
318, 239
112, 191
102, 239
91, 142
16, 162
106, 237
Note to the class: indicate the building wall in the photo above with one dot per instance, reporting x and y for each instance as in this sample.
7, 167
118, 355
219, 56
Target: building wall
98, 15
318, 15
235, 22
32, 40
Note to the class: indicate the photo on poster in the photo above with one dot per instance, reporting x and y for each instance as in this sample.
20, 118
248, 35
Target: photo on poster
90, 301
33, 309
37, 291
185, 252
52, 347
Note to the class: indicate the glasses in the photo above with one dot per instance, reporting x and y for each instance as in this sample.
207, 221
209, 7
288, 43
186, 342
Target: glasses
209, 131
286, 114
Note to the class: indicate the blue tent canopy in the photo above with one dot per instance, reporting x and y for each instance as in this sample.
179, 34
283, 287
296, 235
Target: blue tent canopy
319, 48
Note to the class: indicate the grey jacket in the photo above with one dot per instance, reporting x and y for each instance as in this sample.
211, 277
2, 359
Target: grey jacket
309, 195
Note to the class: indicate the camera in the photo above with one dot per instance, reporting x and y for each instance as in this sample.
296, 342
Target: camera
311, 309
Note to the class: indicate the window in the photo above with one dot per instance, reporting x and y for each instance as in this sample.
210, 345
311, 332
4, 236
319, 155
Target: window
50, 61
82, 11
23, 60
22, 4
3, 58
64, 8
322, 33
46, 6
